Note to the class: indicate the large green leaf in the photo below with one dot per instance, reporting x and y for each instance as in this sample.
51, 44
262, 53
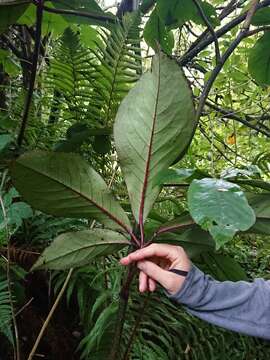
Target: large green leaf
261, 206
65, 185
259, 60
154, 124
261, 17
219, 207
84, 6
10, 13
175, 13
224, 267
54, 24
193, 239
179, 176
75, 249
156, 34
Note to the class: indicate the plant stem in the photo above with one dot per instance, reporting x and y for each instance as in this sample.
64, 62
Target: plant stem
39, 16
135, 328
123, 302
59, 297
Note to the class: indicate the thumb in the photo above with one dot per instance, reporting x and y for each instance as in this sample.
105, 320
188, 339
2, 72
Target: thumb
156, 273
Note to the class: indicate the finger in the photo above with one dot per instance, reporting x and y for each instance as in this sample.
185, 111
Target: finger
143, 282
151, 284
161, 250
155, 272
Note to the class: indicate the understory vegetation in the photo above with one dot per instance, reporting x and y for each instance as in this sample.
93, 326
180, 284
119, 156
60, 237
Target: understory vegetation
124, 124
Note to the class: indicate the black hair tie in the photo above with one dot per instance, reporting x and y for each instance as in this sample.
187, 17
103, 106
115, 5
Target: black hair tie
179, 272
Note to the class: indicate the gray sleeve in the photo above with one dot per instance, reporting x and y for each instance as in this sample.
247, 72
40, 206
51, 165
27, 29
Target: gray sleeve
239, 306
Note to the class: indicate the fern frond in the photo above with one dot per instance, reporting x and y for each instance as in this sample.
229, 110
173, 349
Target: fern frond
118, 69
155, 328
5, 311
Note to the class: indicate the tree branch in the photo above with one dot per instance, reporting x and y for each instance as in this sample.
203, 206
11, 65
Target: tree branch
241, 35
90, 15
230, 114
210, 28
194, 51
39, 16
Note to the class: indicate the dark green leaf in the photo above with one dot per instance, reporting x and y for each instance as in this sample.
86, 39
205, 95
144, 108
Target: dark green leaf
9, 14
175, 13
261, 17
87, 6
259, 60
220, 207
102, 144
156, 34
65, 185
224, 267
80, 248
5, 140
179, 176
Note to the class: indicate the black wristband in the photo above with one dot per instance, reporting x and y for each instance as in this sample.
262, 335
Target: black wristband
179, 272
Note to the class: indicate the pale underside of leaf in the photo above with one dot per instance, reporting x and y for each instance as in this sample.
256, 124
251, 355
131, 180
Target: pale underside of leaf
155, 122
76, 249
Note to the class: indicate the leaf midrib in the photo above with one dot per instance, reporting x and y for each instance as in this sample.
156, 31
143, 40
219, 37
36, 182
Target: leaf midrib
145, 183
112, 217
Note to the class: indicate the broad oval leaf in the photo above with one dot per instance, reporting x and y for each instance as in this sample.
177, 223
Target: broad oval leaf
10, 11
259, 60
156, 34
261, 17
219, 207
223, 267
65, 185
75, 249
179, 176
154, 124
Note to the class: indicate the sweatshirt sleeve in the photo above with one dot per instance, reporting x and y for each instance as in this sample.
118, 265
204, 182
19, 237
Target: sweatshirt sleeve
239, 306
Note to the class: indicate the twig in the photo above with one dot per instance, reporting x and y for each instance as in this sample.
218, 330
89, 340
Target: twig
241, 35
192, 52
210, 28
39, 16
231, 115
59, 297
90, 15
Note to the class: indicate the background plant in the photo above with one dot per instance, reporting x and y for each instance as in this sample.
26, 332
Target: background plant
73, 77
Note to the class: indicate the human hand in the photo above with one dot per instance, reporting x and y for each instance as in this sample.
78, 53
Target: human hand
154, 261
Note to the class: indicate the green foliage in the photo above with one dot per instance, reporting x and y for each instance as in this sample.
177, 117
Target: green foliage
161, 140
5, 310
9, 14
261, 17
259, 60
220, 207
12, 214
84, 74
65, 185
156, 34
87, 6
79, 248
